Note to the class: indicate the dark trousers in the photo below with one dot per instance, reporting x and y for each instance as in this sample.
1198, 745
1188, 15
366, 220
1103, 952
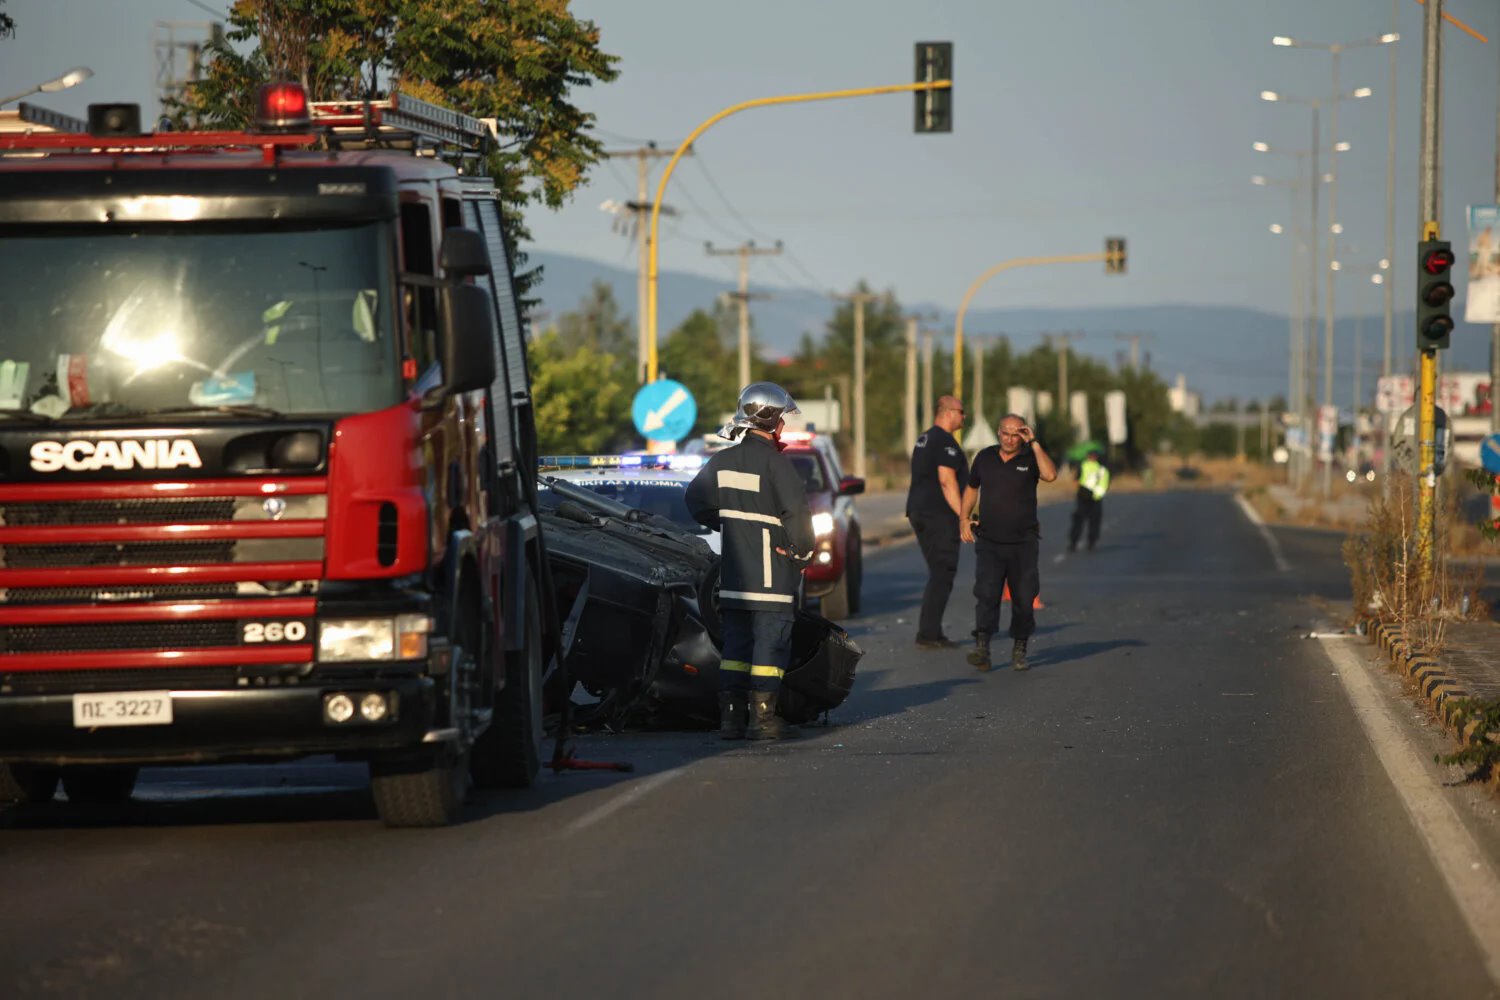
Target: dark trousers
1089, 510
937, 535
998, 565
757, 649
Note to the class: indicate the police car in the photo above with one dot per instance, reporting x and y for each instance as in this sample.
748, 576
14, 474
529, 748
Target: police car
836, 573
656, 484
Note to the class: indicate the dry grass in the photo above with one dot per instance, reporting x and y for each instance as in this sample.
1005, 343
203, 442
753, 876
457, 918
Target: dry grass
1385, 569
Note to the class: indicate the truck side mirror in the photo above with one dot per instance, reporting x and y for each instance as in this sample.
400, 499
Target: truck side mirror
850, 486
463, 254
465, 338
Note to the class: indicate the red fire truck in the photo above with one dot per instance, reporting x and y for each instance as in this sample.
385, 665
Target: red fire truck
265, 443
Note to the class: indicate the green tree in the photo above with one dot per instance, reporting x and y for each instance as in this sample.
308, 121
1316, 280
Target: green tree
600, 325
7, 24
702, 355
516, 62
582, 403
885, 370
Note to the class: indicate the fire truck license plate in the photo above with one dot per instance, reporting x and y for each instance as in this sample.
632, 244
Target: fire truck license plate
122, 708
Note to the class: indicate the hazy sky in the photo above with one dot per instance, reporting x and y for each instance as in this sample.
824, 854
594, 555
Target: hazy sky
1074, 119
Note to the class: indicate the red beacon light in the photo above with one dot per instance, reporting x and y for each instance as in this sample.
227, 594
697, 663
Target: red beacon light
281, 107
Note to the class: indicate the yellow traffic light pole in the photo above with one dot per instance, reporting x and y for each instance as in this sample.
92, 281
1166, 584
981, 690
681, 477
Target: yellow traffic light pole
760, 102
1427, 448
1005, 265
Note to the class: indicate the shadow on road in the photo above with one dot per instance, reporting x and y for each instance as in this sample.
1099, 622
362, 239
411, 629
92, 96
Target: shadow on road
1058, 655
868, 704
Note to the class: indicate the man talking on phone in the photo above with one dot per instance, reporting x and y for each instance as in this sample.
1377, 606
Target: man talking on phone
1002, 482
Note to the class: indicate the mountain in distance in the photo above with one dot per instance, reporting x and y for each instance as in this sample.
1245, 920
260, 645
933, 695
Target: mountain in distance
1224, 352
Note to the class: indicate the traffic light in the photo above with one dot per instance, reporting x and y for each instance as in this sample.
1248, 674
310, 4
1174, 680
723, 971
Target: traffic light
934, 107
1434, 292
1114, 255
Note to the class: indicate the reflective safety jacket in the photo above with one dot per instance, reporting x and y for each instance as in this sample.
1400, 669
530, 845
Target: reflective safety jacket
752, 495
1094, 477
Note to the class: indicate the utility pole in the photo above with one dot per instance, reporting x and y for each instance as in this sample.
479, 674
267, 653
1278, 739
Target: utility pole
1060, 343
1239, 430
978, 401
927, 415
909, 422
744, 252
1390, 241
1431, 214
1495, 330
1135, 347
641, 210
859, 299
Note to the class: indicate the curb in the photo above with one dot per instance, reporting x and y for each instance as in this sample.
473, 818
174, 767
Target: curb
1430, 679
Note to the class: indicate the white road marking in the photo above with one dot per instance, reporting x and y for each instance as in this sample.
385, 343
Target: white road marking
636, 792
1059, 557
1265, 532
1467, 872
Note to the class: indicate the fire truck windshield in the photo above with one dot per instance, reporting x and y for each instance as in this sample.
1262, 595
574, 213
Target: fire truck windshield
152, 319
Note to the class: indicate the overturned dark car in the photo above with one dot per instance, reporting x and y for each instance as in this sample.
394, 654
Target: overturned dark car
641, 626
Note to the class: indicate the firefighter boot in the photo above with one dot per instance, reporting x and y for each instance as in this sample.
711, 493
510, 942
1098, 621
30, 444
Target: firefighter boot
764, 723
980, 657
732, 711
1018, 655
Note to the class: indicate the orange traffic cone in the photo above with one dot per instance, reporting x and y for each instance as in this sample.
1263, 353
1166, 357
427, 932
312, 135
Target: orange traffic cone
1036, 602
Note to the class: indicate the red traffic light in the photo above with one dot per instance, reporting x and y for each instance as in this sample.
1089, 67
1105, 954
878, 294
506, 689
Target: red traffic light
1438, 261
281, 107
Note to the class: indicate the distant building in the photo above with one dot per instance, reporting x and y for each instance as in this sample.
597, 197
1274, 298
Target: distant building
1183, 400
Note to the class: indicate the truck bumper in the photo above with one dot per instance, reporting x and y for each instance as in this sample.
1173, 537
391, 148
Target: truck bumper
220, 725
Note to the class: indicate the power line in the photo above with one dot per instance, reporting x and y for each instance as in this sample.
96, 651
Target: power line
206, 7
753, 231
706, 216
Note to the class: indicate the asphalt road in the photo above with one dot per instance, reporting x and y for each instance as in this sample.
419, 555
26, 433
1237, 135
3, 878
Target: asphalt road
1177, 800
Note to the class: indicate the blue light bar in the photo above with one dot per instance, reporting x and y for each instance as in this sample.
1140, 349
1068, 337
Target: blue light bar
674, 462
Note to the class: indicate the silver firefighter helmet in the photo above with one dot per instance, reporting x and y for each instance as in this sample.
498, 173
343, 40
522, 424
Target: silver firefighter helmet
761, 406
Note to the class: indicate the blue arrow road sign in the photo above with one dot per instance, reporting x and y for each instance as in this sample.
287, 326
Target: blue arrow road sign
664, 410
1489, 454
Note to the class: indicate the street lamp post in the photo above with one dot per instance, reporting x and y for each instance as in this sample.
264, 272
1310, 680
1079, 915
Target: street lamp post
1333, 226
71, 78
1335, 50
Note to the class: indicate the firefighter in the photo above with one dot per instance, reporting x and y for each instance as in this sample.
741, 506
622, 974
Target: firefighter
1093, 483
752, 494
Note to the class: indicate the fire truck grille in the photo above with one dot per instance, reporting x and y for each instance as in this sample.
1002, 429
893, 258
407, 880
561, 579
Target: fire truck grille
112, 595
117, 635
70, 681
116, 554
164, 510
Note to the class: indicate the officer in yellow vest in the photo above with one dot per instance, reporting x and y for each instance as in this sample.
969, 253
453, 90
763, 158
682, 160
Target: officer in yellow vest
1093, 483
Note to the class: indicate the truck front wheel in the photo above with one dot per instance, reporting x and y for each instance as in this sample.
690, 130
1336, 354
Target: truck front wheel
509, 753
425, 791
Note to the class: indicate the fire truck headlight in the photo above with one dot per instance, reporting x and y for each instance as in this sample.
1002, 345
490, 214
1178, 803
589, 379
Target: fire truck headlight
822, 523
357, 639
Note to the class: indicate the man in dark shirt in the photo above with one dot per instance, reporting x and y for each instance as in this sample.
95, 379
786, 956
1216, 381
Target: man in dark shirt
938, 470
1003, 483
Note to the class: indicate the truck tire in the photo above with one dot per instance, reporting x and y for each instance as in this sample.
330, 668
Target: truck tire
22, 784
854, 572
99, 785
429, 787
509, 753
836, 602
424, 791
